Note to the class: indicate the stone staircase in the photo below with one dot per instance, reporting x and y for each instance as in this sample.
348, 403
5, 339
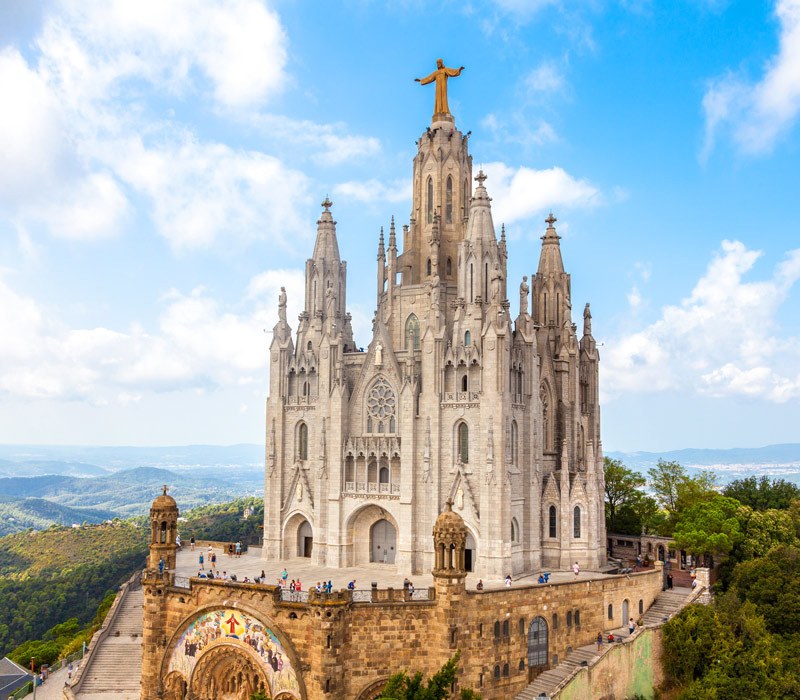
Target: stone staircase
116, 666
546, 683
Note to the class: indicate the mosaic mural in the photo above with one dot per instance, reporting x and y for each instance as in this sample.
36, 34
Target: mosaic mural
229, 626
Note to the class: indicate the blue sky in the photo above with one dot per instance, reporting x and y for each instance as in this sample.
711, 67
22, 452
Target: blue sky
162, 165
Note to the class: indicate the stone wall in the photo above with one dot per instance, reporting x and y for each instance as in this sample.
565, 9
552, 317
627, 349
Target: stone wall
344, 649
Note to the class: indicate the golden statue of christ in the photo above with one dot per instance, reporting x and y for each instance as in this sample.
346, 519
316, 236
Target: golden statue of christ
440, 75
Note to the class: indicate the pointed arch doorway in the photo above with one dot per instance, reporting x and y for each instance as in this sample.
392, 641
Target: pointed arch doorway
383, 542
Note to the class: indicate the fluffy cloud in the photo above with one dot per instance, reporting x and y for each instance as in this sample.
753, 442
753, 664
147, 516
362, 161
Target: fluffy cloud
524, 192
757, 113
375, 191
721, 340
199, 344
546, 77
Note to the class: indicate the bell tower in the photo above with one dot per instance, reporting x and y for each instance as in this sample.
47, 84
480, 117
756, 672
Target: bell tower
163, 531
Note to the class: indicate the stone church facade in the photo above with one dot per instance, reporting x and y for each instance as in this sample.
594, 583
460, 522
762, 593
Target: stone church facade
458, 396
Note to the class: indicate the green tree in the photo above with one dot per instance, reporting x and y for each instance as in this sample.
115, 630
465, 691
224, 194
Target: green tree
688, 643
622, 486
665, 479
763, 530
402, 687
709, 527
695, 489
761, 493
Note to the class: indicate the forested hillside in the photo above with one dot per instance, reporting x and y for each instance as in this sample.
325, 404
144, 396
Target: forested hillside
49, 577
40, 514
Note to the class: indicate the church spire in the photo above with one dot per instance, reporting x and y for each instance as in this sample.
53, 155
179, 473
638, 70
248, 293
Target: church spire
550, 260
326, 247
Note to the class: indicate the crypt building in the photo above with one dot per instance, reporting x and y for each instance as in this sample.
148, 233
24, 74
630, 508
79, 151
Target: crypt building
459, 395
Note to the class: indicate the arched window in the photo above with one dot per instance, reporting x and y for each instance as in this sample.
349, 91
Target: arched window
163, 533
463, 442
610, 611
383, 475
392, 425
485, 282
555, 621
412, 332
521, 627
471, 283
449, 267
544, 399
505, 628
448, 201
429, 213
641, 607
308, 346
576, 522
305, 388
302, 441
497, 630
497, 672
569, 618
467, 338
552, 521
428, 267
577, 618
505, 670
464, 383
514, 442
521, 665
466, 198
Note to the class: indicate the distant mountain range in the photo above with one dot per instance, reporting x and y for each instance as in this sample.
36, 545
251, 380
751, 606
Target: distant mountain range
779, 461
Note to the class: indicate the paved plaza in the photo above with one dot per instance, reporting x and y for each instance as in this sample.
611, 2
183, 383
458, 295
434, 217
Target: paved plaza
385, 575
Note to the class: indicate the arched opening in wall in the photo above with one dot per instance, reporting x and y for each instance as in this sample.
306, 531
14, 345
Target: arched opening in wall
449, 377
547, 427
641, 607
470, 552
383, 542
349, 473
467, 338
308, 346
505, 628
463, 442
625, 612
448, 201
471, 283
610, 611
428, 267
163, 535
577, 618
552, 522
497, 629
291, 388
514, 531
449, 267
569, 619
313, 383
305, 539
383, 475
485, 282
505, 670
497, 672
661, 556
305, 388
372, 471
228, 671
537, 643
555, 621
395, 473
412, 332
314, 296
576, 522
464, 382
429, 203
466, 198
302, 441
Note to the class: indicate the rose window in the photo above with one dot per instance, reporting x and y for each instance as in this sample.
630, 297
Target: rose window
381, 405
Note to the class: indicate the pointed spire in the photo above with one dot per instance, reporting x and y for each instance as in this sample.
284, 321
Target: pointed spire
480, 228
503, 249
392, 237
326, 247
550, 261
381, 249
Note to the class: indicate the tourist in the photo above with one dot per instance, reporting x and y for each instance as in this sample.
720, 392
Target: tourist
69, 672
210, 574
631, 626
210, 550
297, 586
264, 577
508, 580
541, 579
161, 566
191, 543
225, 576
576, 569
410, 590
230, 550
546, 576
610, 637
319, 587
284, 574
201, 561
178, 542
213, 559
330, 586
352, 585
292, 586
599, 641
480, 585
669, 582
238, 549
694, 583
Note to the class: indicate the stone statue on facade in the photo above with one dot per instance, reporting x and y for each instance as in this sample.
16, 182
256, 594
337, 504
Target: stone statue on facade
378, 355
587, 320
523, 296
497, 284
440, 75
282, 305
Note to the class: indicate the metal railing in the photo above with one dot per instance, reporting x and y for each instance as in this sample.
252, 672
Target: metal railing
288, 596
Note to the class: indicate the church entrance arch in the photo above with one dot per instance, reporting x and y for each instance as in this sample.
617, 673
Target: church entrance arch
383, 542
470, 553
624, 612
227, 672
305, 539
365, 534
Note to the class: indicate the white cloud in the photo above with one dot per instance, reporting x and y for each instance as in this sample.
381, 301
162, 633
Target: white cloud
721, 340
199, 344
545, 78
757, 113
522, 130
524, 192
375, 191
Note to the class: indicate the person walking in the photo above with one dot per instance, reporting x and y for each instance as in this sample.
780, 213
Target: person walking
201, 561
191, 543
213, 559
508, 580
631, 626
576, 569
284, 574
599, 641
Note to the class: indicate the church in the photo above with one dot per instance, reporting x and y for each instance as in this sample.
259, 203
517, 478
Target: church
459, 396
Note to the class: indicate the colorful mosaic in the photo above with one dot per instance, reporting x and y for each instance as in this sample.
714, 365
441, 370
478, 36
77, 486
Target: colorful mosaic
228, 626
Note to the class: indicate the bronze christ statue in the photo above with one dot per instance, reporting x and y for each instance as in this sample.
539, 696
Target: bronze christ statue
440, 75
